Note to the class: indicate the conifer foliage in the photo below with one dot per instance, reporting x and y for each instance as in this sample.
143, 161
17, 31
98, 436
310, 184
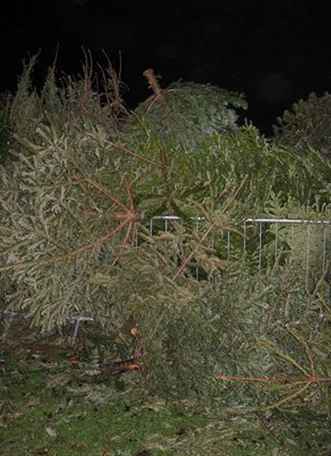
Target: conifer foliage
84, 179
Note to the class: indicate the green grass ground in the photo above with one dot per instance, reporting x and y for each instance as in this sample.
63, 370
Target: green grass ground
52, 402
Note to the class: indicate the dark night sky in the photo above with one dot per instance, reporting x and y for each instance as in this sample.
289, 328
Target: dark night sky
274, 52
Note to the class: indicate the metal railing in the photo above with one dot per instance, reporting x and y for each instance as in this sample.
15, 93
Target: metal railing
320, 227
267, 232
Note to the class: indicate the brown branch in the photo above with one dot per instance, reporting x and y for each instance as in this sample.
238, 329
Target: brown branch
211, 227
275, 380
190, 256
135, 155
83, 248
153, 82
100, 188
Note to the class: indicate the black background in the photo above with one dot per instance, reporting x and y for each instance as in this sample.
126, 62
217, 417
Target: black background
274, 52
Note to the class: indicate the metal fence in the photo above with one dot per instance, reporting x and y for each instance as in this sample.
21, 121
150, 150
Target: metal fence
312, 236
308, 242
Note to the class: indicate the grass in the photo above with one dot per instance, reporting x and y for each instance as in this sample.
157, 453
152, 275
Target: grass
48, 409
52, 402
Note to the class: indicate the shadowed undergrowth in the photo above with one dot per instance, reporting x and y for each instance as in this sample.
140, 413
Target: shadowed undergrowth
54, 401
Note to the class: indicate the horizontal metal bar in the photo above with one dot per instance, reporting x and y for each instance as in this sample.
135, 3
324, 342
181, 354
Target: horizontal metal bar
174, 217
252, 220
289, 221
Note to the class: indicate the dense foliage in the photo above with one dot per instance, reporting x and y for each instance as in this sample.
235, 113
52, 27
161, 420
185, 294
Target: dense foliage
184, 114
307, 125
76, 203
